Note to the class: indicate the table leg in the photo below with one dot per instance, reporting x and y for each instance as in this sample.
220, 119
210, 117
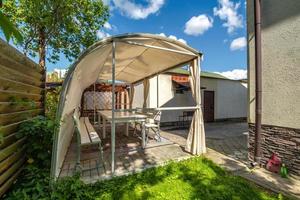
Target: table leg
99, 122
127, 129
143, 135
104, 128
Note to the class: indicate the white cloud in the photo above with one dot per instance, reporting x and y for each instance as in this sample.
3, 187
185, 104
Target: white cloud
138, 11
197, 25
235, 74
228, 12
238, 44
102, 34
107, 26
173, 37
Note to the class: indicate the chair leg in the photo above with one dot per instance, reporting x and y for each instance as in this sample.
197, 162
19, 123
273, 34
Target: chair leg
147, 135
101, 156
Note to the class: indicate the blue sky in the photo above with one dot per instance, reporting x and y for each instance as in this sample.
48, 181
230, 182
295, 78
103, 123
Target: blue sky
215, 27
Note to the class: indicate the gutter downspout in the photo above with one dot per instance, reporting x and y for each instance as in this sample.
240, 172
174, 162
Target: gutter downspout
258, 82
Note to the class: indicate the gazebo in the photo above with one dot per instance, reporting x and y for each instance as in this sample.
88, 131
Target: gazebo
130, 59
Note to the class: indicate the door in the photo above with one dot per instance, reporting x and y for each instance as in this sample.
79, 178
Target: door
209, 102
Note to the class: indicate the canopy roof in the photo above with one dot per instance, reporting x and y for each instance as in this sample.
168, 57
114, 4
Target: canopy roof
137, 56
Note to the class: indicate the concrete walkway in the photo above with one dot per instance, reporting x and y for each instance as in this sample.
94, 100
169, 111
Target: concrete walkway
228, 138
287, 186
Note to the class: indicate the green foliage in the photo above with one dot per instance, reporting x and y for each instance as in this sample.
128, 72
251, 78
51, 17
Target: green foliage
33, 183
9, 29
67, 26
52, 99
39, 133
71, 188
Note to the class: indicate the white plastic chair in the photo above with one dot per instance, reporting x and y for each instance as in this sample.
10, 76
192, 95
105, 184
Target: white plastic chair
153, 123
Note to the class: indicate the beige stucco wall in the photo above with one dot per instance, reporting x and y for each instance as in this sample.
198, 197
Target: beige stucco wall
230, 97
280, 62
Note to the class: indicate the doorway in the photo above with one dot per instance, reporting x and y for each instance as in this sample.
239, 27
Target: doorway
209, 108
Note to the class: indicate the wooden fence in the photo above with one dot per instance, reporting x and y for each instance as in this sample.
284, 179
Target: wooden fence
21, 98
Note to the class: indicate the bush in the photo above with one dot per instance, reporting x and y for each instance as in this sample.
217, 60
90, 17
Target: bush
52, 99
39, 135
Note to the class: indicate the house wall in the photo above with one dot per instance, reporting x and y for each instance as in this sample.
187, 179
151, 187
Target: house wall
280, 81
230, 97
280, 63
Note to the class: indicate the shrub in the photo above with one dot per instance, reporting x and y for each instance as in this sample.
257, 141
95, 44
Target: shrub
39, 135
52, 99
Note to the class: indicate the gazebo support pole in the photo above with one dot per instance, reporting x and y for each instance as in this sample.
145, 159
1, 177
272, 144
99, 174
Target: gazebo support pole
113, 125
157, 91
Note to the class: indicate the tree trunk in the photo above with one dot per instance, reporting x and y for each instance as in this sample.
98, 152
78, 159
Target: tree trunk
42, 63
42, 48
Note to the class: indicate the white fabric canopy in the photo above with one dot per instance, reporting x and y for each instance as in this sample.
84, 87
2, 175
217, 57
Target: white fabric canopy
137, 57
196, 137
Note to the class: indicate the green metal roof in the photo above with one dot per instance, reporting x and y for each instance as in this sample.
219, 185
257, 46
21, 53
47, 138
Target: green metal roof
202, 74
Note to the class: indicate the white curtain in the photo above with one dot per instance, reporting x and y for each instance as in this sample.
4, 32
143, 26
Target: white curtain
146, 85
196, 137
131, 95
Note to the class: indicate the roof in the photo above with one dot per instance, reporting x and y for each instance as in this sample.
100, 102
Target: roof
202, 74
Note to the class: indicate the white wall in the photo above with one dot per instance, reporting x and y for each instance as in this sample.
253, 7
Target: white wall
230, 97
231, 101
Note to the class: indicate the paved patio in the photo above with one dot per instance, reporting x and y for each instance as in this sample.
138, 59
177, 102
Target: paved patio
228, 138
130, 157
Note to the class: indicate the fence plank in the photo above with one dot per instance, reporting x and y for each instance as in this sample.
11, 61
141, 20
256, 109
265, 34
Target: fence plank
8, 118
6, 72
8, 140
5, 164
8, 107
8, 61
4, 176
9, 182
4, 153
11, 96
7, 84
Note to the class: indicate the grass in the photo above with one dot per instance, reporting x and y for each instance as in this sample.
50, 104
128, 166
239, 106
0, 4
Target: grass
195, 178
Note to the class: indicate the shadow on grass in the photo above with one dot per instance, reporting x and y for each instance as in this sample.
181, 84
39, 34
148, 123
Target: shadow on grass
200, 178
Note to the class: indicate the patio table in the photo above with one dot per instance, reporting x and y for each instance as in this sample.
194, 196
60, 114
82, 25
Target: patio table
122, 117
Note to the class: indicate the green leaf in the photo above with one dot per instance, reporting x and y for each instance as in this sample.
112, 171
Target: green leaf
9, 30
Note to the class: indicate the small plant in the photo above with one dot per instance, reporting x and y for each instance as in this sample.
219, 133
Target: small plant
39, 133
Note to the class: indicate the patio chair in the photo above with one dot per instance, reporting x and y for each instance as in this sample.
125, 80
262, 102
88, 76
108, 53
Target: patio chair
153, 123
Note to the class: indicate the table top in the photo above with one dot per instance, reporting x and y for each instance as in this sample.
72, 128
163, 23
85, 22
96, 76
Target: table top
107, 114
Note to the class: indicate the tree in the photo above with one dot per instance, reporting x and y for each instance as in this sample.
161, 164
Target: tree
8, 28
51, 27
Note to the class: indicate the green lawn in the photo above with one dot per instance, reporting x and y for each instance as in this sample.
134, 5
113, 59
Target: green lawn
196, 178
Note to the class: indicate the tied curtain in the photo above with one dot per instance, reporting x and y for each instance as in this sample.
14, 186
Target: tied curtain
131, 95
196, 137
146, 85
